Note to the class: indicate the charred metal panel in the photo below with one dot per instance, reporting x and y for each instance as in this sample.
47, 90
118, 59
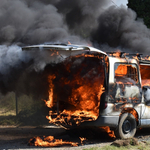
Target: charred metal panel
126, 88
145, 122
145, 81
103, 121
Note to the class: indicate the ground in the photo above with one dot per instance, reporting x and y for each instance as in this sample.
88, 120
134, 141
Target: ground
17, 138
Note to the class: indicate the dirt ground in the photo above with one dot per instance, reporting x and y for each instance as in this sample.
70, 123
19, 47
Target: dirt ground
17, 138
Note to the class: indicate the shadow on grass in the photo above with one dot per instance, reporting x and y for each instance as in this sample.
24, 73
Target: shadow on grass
33, 117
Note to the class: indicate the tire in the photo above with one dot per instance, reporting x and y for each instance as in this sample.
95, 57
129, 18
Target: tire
126, 127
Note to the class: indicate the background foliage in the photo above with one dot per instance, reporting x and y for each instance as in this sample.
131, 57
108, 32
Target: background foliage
142, 8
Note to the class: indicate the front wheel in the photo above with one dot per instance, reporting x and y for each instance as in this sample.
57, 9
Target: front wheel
126, 127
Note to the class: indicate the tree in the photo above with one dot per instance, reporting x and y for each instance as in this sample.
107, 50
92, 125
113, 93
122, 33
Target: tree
142, 8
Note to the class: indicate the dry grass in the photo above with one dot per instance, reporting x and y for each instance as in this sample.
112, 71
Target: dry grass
145, 145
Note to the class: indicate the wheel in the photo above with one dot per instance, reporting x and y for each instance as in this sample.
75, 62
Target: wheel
126, 127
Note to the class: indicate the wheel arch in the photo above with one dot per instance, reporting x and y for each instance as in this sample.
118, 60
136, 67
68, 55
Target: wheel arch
131, 111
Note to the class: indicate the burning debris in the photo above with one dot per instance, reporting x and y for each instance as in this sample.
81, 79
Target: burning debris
74, 137
49, 141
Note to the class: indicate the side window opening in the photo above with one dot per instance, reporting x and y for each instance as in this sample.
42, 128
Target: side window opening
126, 74
145, 75
127, 83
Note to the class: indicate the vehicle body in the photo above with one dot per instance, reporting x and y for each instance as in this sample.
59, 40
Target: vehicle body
127, 96
124, 105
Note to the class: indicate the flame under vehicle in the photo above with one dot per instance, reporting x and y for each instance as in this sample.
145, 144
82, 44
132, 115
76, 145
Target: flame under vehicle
88, 87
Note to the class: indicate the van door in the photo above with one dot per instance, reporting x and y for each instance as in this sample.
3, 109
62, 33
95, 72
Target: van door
127, 85
145, 81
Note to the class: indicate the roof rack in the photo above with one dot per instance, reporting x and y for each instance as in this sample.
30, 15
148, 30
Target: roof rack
56, 47
139, 56
56, 44
124, 54
142, 60
117, 54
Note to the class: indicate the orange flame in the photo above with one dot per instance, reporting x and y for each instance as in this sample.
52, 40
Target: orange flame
117, 53
86, 107
146, 58
69, 43
121, 70
145, 75
74, 95
49, 141
84, 98
51, 86
110, 132
82, 139
123, 74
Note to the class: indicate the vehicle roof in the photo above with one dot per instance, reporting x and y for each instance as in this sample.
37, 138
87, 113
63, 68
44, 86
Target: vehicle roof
72, 47
65, 47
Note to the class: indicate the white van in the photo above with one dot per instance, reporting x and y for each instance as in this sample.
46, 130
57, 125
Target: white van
92, 88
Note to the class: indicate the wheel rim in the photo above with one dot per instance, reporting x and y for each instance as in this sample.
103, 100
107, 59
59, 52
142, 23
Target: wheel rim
126, 126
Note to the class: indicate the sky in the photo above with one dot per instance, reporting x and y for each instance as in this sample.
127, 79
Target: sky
120, 2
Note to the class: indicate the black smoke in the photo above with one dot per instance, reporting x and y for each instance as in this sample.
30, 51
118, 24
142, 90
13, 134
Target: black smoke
35, 22
118, 27
26, 22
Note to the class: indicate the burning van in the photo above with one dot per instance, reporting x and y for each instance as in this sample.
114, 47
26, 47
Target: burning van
88, 87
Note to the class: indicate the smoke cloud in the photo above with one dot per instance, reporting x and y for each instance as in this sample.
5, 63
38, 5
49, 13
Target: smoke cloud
118, 27
38, 21
26, 22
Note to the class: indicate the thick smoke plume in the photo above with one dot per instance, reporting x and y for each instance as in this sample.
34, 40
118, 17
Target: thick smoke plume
118, 28
36, 22
26, 22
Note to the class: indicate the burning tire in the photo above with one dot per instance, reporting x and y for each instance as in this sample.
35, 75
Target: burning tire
126, 127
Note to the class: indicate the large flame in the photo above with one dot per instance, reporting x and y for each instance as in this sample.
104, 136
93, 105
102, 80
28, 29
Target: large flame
145, 75
75, 89
121, 70
74, 96
126, 74
51, 86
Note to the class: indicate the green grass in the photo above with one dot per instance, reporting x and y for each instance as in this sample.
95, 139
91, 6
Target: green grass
8, 120
30, 111
108, 148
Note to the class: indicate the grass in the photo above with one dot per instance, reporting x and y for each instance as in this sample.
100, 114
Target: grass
141, 146
30, 111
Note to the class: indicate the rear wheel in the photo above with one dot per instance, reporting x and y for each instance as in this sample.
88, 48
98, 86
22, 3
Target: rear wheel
126, 127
